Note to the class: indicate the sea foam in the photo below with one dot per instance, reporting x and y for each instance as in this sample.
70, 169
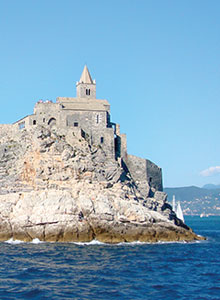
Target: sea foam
93, 242
17, 242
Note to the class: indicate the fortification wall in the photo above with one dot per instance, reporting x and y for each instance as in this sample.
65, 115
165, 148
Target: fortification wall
145, 173
123, 145
154, 175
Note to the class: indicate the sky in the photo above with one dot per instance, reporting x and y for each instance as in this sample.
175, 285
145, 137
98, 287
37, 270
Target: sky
157, 63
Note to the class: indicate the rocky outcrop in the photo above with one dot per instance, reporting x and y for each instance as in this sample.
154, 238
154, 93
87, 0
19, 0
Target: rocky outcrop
55, 186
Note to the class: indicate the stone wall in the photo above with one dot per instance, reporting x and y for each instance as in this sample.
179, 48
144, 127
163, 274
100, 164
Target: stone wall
154, 175
145, 174
123, 145
83, 104
6, 131
86, 90
89, 121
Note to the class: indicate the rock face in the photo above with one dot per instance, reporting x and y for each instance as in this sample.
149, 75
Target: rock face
55, 186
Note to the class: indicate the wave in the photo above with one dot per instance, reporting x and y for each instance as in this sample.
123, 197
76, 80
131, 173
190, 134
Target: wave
17, 242
14, 242
36, 241
96, 242
93, 242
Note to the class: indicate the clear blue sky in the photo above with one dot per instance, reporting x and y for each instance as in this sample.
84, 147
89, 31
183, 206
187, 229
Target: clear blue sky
157, 62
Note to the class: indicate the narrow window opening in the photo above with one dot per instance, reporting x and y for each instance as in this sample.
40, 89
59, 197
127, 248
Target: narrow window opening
76, 124
102, 139
88, 92
44, 120
150, 179
97, 119
34, 122
83, 134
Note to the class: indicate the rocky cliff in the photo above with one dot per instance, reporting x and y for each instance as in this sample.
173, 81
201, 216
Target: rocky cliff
55, 186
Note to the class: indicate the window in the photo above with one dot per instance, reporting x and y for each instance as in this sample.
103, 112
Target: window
97, 119
43, 119
75, 124
102, 140
52, 122
34, 122
83, 134
21, 125
88, 92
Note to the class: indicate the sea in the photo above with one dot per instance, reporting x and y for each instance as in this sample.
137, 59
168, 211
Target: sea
40, 270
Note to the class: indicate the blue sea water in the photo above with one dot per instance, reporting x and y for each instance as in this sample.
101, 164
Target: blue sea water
125, 271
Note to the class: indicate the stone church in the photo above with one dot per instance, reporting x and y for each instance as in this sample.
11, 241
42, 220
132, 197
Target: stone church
85, 115
89, 118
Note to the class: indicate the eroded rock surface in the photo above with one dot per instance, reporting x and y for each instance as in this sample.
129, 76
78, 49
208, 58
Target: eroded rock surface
56, 187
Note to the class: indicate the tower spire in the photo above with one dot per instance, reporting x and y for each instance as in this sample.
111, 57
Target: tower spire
86, 87
86, 77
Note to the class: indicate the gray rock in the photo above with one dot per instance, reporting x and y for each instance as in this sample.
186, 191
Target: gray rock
57, 188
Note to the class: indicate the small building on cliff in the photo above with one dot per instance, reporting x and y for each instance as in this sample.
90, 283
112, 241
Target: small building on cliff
90, 119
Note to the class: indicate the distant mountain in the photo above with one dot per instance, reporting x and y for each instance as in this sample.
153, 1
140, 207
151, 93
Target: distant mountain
211, 186
195, 200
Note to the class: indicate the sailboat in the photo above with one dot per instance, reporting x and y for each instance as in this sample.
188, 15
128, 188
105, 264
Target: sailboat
177, 209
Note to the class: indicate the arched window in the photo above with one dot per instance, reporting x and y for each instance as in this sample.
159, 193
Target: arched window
34, 122
88, 92
52, 122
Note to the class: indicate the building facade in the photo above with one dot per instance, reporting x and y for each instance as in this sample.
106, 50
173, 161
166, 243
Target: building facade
89, 118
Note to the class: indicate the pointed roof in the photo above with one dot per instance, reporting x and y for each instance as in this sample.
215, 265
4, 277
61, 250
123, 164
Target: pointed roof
86, 77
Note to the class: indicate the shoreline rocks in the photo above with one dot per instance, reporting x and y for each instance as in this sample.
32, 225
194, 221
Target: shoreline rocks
66, 190
56, 216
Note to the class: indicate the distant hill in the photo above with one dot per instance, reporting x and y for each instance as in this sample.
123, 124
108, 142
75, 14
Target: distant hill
195, 200
211, 186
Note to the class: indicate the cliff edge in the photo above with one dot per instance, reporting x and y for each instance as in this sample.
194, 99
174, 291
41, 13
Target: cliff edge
56, 186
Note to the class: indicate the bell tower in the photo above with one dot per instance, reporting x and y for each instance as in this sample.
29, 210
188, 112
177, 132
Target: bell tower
86, 87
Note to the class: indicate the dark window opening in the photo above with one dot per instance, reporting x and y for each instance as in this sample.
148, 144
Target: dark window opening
102, 140
83, 134
34, 122
76, 124
108, 120
43, 119
97, 119
150, 179
88, 92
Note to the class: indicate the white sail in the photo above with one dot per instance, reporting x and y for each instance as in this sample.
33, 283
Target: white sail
179, 212
174, 203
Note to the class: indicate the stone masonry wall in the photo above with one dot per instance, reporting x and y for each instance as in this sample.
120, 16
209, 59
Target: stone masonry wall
154, 175
81, 90
145, 174
6, 131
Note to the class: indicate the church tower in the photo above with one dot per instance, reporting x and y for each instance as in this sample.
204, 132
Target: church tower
86, 87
